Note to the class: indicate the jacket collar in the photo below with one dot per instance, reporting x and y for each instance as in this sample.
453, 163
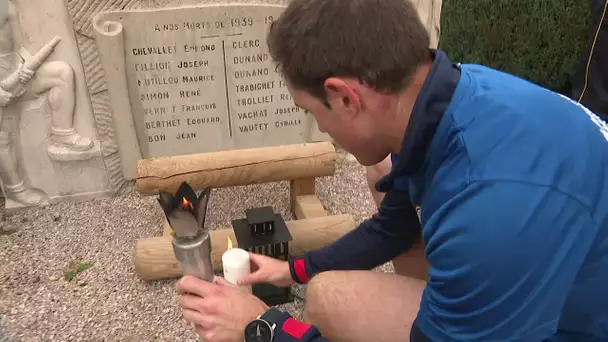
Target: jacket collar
431, 103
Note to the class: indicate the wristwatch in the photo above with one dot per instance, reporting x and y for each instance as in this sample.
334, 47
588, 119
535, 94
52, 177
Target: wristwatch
262, 328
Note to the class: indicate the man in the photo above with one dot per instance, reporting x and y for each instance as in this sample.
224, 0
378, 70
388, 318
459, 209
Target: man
590, 85
511, 179
56, 78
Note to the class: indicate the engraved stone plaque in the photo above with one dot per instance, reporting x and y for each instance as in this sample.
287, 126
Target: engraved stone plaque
196, 79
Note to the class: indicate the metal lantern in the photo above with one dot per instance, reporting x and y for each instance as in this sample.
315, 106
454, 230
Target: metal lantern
263, 231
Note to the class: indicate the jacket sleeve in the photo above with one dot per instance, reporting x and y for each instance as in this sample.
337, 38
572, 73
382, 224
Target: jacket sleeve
375, 241
290, 330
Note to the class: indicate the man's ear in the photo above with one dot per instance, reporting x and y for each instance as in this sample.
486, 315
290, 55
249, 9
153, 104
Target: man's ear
341, 94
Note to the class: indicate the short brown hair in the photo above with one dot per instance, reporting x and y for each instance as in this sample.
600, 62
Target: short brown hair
379, 42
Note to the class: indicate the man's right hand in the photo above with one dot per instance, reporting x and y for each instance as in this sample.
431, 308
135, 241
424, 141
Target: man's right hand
268, 270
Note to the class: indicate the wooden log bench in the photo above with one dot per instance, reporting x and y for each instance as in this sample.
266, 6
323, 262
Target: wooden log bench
300, 164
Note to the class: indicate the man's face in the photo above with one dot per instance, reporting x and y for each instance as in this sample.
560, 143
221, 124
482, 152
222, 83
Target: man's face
346, 121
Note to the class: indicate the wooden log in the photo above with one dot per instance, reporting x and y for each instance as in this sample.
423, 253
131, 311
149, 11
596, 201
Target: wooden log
308, 206
236, 167
167, 230
154, 259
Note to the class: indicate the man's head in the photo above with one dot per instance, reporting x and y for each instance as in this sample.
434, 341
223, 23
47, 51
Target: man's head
350, 62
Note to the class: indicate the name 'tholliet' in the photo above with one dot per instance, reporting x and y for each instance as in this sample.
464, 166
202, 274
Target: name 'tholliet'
255, 100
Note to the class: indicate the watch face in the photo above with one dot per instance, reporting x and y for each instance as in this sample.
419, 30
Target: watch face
258, 331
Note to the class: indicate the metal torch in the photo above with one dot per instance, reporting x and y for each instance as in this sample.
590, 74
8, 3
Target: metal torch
185, 212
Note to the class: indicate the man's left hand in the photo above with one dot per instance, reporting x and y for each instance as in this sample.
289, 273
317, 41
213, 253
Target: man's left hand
25, 74
219, 311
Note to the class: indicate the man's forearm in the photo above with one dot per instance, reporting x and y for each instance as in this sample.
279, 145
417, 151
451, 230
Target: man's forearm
377, 240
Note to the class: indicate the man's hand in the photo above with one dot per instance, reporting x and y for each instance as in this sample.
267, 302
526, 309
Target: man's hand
219, 311
5, 97
25, 74
267, 270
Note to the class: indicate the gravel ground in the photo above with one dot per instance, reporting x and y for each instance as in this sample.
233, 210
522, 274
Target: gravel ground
107, 301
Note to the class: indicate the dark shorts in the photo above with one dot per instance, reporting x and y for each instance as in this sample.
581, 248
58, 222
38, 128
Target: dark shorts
416, 335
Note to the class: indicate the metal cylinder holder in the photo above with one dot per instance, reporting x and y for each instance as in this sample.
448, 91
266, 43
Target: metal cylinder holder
194, 256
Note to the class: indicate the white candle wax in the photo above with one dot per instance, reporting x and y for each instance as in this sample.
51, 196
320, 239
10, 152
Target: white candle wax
235, 262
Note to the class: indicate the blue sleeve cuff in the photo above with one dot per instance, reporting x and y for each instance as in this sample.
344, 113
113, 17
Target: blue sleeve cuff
290, 330
298, 267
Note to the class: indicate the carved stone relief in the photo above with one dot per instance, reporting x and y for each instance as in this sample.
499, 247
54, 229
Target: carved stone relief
81, 13
44, 154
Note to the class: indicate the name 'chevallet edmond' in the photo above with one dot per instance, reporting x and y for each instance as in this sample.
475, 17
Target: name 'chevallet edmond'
154, 50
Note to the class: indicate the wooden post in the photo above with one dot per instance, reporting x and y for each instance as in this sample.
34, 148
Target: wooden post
300, 187
308, 206
154, 258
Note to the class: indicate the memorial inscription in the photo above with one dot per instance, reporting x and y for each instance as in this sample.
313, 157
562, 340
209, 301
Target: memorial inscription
201, 79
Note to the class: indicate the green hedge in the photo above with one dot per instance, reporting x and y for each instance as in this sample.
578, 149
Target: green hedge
539, 40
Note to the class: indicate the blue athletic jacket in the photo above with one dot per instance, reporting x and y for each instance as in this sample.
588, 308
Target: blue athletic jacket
513, 184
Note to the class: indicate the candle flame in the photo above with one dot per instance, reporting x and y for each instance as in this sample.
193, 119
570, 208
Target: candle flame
186, 204
229, 243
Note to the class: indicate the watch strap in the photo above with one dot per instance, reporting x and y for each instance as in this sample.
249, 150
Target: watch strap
272, 316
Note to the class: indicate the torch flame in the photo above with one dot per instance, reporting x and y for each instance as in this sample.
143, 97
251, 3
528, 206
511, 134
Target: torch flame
186, 204
229, 243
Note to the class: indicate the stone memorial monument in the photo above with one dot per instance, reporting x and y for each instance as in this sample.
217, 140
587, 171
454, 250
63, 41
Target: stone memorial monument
88, 87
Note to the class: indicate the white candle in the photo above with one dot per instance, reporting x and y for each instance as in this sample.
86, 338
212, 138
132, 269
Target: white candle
235, 262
